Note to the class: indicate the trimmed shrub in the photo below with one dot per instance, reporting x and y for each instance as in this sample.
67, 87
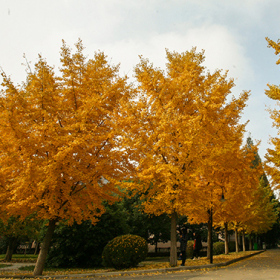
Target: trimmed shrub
190, 249
218, 248
125, 251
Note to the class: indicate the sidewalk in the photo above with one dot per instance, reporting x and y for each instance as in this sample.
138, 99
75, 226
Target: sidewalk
15, 266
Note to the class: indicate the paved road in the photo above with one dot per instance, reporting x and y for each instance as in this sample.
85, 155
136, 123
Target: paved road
264, 266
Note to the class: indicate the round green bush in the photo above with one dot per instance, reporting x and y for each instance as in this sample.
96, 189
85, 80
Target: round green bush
218, 248
125, 251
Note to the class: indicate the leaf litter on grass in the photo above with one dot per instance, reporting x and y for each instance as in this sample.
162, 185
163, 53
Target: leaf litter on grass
145, 265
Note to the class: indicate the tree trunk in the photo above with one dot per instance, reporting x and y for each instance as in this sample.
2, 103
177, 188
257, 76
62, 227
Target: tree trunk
11, 247
39, 267
250, 243
236, 240
243, 240
173, 249
36, 248
209, 237
226, 239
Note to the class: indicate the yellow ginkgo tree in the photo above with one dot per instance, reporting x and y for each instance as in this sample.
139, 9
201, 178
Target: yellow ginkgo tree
59, 141
179, 129
248, 207
273, 155
218, 199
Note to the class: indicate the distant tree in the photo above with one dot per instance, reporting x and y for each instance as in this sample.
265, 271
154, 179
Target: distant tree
273, 155
154, 228
259, 211
15, 231
81, 245
272, 236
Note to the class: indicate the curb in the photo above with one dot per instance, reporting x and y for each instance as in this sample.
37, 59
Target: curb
133, 272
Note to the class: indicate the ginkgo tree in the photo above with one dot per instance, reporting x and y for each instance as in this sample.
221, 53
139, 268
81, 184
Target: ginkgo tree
260, 212
59, 140
231, 176
181, 125
273, 156
249, 206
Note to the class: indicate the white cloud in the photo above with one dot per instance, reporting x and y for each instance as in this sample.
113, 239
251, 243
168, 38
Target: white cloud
222, 50
231, 33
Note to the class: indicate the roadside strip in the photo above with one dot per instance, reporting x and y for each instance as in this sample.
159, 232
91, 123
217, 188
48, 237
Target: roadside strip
133, 272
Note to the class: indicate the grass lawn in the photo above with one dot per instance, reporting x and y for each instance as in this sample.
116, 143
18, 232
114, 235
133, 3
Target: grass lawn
20, 258
4, 265
147, 264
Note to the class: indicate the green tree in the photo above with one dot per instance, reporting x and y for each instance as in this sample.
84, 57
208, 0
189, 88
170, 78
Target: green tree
81, 245
154, 228
15, 231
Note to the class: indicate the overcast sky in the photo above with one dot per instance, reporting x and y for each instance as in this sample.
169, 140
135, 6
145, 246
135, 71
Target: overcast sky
232, 33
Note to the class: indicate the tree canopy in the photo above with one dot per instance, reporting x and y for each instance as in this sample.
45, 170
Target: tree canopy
272, 156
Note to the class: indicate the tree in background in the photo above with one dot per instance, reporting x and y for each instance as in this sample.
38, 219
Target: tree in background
271, 237
232, 177
273, 156
82, 245
180, 126
248, 207
153, 228
14, 231
59, 141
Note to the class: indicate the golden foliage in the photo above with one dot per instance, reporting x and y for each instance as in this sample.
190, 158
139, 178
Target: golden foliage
272, 156
183, 131
59, 138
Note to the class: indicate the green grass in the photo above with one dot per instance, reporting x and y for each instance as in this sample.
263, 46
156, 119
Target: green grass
17, 256
151, 263
27, 268
4, 265
20, 258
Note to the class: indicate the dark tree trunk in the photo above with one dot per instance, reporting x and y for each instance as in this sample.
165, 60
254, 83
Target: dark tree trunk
209, 237
173, 249
236, 240
11, 247
39, 267
250, 243
243, 240
36, 248
226, 239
